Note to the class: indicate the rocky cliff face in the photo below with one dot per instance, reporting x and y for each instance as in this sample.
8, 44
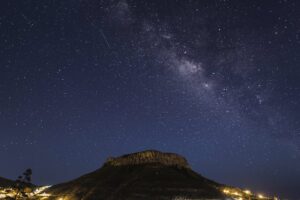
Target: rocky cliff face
149, 157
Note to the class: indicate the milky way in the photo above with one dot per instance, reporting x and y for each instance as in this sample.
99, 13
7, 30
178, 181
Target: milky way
215, 81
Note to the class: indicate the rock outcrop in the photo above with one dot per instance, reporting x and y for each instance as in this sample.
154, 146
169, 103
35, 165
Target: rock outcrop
149, 157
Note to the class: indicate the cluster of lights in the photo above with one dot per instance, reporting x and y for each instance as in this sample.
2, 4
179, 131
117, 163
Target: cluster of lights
245, 195
7, 192
38, 192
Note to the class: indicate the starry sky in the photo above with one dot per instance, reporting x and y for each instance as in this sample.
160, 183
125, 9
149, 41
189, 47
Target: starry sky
217, 81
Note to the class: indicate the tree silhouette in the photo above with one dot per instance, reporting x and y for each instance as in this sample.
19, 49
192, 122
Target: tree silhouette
23, 184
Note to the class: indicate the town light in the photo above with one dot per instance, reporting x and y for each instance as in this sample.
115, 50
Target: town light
247, 192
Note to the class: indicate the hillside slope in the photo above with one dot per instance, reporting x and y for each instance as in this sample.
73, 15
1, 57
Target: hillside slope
6, 182
143, 175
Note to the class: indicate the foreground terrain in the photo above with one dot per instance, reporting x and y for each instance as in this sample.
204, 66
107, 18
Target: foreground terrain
145, 175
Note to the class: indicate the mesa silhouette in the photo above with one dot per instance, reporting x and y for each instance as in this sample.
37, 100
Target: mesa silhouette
143, 175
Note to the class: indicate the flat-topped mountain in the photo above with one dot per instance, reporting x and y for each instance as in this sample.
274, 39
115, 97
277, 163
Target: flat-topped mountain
149, 157
147, 175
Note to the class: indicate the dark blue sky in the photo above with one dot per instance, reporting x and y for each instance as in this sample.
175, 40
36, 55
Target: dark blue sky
215, 81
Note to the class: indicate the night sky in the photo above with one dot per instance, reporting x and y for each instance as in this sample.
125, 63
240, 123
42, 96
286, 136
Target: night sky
215, 81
